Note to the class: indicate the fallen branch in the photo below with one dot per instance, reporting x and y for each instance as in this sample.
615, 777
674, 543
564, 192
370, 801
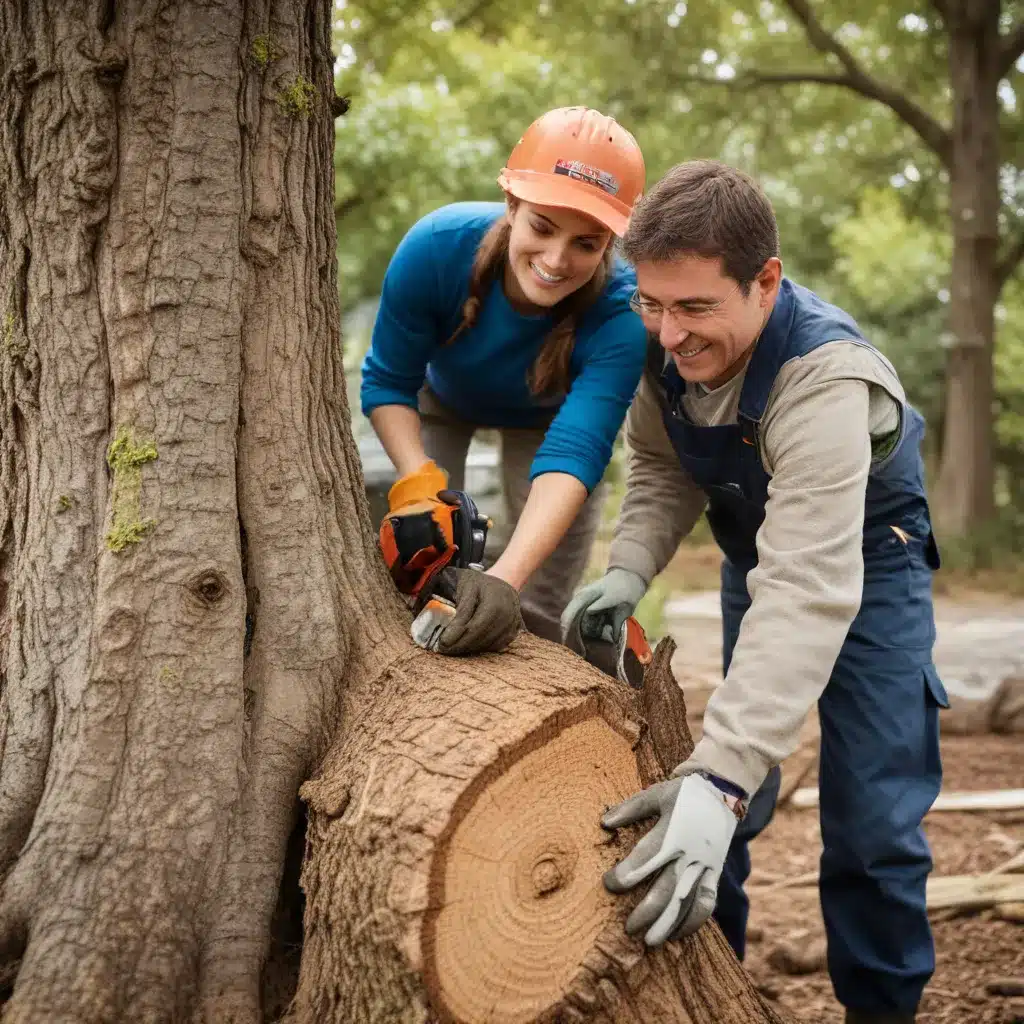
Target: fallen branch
1015, 863
973, 891
1012, 912
807, 878
985, 800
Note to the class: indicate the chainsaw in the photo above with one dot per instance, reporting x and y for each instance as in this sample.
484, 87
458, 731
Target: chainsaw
624, 656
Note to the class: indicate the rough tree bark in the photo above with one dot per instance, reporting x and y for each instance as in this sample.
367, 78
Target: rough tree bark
191, 599
184, 543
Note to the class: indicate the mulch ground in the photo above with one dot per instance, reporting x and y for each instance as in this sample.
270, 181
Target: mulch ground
978, 955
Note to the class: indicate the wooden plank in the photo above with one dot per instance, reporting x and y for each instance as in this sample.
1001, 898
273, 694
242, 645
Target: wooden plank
967, 891
984, 800
943, 891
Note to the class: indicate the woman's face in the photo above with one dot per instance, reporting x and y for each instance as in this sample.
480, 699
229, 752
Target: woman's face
551, 253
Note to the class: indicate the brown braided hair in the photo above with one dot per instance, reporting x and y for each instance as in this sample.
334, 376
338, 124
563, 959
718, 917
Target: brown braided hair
550, 372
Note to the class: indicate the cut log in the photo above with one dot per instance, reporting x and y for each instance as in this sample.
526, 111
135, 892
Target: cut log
990, 800
456, 857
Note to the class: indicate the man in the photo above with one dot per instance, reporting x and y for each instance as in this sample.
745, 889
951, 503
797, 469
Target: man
766, 406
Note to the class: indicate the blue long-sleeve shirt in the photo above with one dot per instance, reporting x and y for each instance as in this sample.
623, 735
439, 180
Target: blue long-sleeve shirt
483, 376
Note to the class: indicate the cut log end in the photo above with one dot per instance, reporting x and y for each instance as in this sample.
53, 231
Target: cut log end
521, 871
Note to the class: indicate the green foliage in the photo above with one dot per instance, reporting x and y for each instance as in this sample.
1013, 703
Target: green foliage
441, 91
893, 276
297, 98
126, 459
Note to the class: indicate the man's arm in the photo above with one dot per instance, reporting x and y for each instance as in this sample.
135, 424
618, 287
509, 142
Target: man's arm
806, 588
662, 502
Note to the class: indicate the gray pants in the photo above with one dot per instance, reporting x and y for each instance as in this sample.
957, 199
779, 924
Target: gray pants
446, 439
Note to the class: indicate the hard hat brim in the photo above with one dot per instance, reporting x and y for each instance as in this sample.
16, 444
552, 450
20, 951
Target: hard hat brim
567, 193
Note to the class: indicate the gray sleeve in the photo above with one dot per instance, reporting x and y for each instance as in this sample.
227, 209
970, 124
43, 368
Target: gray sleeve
662, 501
806, 588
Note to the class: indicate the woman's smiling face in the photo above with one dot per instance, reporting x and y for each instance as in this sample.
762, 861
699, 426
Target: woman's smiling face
552, 252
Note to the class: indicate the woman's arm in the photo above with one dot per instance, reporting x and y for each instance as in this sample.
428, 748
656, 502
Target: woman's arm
398, 427
406, 332
551, 506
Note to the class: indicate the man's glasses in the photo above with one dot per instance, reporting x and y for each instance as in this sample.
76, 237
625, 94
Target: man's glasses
655, 311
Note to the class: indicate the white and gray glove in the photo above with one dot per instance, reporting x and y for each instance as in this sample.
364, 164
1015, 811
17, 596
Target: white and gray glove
686, 849
598, 610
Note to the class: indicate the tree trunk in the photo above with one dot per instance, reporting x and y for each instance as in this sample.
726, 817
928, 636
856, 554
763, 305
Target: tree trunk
192, 603
964, 495
455, 857
185, 545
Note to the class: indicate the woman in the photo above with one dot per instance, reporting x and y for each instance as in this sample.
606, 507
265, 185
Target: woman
516, 316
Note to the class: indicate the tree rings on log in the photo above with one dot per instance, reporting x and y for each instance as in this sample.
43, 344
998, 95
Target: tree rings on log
520, 871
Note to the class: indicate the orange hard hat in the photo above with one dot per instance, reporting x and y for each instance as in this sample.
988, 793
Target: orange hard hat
581, 159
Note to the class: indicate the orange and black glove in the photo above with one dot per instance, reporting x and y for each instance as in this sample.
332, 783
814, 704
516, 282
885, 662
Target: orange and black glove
417, 536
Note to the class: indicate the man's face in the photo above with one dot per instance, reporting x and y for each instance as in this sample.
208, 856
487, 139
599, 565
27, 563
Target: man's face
701, 316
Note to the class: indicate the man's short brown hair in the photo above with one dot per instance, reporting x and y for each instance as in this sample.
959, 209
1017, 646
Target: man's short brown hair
709, 209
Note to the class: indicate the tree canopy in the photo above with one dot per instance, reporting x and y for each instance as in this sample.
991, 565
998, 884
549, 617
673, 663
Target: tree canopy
845, 119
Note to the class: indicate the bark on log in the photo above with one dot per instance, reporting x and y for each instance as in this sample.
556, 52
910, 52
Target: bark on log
455, 855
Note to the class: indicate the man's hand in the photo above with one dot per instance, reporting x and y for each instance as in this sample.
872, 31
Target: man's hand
487, 616
598, 610
684, 852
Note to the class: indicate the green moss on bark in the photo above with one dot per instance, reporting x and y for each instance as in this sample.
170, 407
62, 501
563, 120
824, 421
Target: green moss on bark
264, 51
296, 100
126, 458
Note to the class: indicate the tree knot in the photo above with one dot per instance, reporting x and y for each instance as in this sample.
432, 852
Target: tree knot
209, 586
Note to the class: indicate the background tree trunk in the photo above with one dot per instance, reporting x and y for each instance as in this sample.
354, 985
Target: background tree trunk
191, 596
965, 490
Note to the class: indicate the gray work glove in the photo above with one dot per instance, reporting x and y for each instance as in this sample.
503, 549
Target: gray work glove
684, 852
598, 610
487, 616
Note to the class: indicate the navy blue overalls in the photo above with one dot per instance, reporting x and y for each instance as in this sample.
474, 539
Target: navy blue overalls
880, 768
